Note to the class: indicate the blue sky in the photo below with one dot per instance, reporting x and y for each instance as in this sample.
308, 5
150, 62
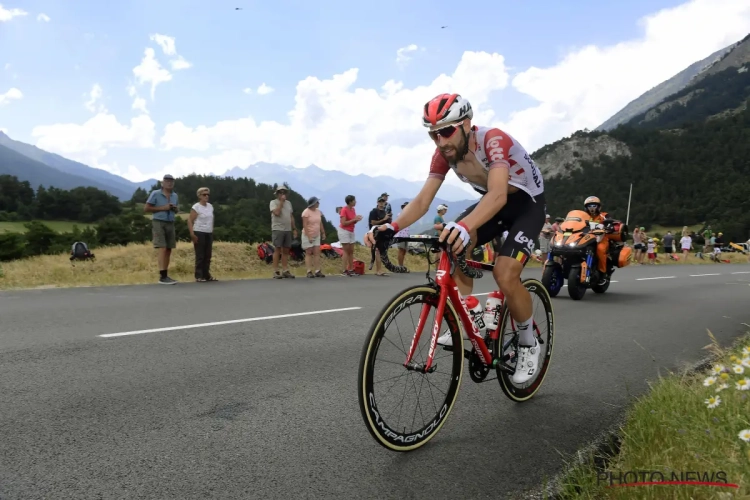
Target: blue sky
277, 43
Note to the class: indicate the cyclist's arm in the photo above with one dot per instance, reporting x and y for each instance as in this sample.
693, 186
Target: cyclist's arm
419, 206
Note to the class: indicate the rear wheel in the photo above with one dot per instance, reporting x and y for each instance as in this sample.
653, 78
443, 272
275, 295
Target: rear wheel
384, 383
576, 289
543, 321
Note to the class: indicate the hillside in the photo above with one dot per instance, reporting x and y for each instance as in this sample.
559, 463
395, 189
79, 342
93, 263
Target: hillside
662, 91
688, 162
70, 173
37, 173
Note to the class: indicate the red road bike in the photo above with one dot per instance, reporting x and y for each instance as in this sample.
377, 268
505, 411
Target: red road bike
494, 349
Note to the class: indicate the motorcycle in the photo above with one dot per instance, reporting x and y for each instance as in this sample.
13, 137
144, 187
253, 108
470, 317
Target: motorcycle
572, 255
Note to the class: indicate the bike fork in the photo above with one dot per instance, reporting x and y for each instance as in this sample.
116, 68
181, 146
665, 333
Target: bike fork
409, 363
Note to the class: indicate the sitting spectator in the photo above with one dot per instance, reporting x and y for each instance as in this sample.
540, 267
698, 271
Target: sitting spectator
378, 216
201, 226
312, 234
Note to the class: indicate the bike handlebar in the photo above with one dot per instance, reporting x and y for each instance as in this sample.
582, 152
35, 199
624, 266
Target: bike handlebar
382, 242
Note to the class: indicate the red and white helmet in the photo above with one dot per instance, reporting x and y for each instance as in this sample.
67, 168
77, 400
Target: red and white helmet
446, 108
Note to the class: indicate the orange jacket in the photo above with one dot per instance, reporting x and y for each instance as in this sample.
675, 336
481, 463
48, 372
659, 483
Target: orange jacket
600, 217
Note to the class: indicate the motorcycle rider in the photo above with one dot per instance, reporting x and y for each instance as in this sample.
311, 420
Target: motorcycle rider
594, 208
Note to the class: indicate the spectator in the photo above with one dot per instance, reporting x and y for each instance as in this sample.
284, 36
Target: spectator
201, 226
686, 243
651, 251
282, 230
638, 244
312, 234
438, 221
545, 236
348, 217
387, 207
163, 204
378, 216
707, 243
669, 243
402, 246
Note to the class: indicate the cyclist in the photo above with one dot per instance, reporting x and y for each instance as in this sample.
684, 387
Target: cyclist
512, 190
594, 208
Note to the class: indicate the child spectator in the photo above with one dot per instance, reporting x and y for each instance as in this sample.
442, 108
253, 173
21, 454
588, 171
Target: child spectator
651, 251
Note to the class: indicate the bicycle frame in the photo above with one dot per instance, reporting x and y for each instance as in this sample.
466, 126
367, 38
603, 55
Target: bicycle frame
449, 290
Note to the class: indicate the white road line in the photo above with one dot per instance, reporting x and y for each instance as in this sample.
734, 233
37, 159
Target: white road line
655, 278
229, 322
707, 274
741, 272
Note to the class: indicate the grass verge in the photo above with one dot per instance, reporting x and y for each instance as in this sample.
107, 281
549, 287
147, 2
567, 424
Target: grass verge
691, 426
136, 264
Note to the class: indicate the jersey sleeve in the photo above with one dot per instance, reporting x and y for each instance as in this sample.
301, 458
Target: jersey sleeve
439, 166
497, 147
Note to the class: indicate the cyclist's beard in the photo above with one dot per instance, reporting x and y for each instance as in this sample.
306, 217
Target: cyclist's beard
458, 152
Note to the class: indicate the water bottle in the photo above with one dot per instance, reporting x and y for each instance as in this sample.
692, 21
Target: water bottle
492, 310
475, 311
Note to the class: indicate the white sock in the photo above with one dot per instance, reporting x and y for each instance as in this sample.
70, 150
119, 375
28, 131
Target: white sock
526, 333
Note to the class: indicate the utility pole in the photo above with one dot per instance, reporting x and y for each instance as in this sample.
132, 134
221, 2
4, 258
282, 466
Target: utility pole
627, 219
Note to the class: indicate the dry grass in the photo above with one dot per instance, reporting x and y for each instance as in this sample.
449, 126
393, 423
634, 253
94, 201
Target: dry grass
732, 257
136, 264
676, 429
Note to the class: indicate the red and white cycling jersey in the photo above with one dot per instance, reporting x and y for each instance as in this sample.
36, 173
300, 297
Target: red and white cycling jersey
496, 148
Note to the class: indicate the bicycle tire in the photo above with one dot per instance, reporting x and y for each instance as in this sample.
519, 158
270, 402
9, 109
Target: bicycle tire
519, 395
380, 431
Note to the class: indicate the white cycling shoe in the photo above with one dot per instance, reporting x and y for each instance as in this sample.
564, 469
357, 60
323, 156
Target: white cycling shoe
446, 339
527, 364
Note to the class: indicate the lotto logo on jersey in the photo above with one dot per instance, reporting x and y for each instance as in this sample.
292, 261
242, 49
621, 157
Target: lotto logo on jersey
494, 151
524, 240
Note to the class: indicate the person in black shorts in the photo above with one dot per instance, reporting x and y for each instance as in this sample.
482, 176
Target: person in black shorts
512, 189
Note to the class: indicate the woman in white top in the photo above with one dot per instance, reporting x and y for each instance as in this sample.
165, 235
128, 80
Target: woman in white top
201, 226
686, 243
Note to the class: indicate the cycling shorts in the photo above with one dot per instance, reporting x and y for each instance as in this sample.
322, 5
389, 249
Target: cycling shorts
522, 217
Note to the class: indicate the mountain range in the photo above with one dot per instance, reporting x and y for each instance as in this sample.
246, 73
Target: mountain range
41, 168
332, 186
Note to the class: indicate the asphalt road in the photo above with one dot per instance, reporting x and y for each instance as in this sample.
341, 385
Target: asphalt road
268, 408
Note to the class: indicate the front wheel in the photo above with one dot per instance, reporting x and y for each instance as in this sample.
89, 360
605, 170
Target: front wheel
552, 278
394, 423
576, 289
507, 342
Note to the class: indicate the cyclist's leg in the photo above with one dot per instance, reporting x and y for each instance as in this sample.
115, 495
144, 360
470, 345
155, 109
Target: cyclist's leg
480, 236
525, 220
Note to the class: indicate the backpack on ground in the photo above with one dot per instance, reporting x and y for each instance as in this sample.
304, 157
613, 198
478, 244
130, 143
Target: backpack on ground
265, 252
80, 251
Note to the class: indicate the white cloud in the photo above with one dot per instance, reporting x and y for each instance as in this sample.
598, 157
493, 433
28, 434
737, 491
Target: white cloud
10, 95
168, 46
43, 18
7, 66
8, 14
264, 89
150, 71
166, 43
139, 103
94, 103
247, 90
180, 63
89, 143
402, 54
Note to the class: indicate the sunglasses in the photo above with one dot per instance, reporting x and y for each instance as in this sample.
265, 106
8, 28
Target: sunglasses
205, 194
592, 205
445, 132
